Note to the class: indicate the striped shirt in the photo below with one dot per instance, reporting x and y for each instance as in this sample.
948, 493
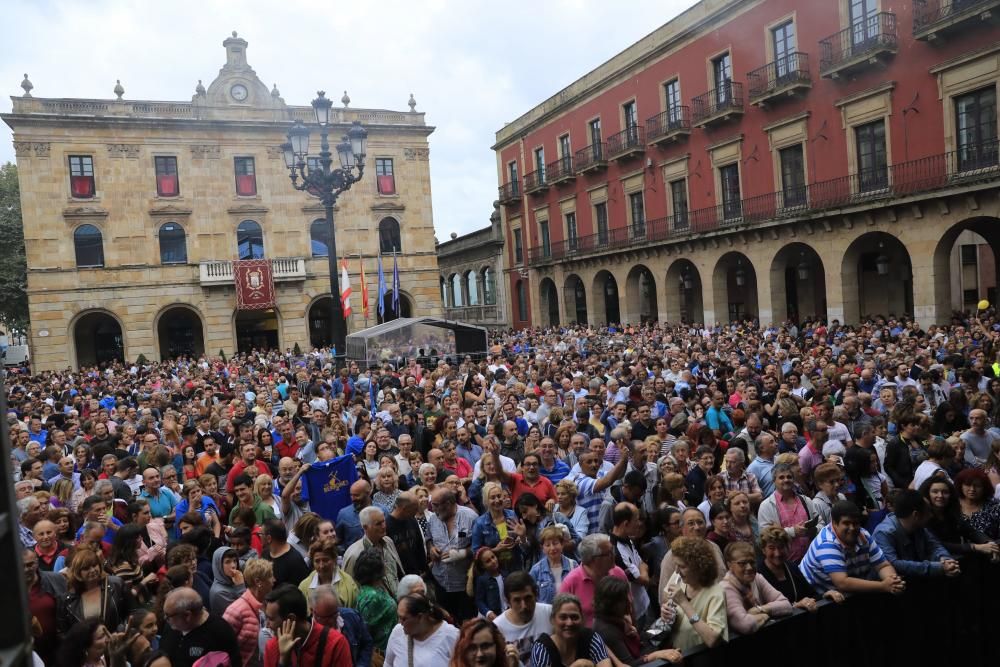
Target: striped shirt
589, 498
541, 656
827, 555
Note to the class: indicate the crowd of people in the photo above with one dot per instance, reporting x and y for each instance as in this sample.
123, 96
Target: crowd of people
588, 497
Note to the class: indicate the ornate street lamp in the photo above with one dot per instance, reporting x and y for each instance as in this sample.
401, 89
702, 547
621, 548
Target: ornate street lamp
882, 262
741, 275
803, 267
318, 177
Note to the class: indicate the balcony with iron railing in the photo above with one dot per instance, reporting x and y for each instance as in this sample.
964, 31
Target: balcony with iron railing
510, 193
933, 19
669, 126
561, 171
972, 165
535, 182
781, 79
859, 46
220, 271
592, 158
718, 105
627, 144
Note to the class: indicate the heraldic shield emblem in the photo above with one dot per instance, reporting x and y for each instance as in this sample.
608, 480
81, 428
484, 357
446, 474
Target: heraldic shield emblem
254, 284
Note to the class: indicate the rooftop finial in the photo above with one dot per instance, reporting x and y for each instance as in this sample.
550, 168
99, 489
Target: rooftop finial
234, 34
119, 90
346, 100
412, 104
26, 86
199, 90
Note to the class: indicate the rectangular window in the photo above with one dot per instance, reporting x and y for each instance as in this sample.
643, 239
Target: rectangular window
873, 172
970, 254
722, 76
595, 135
384, 176
679, 202
81, 176
564, 147
672, 93
783, 40
518, 246
630, 115
540, 160
246, 178
970, 296
512, 178
601, 219
166, 176
543, 235
864, 22
638, 215
976, 129
729, 178
571, 230
793, 176
522, 301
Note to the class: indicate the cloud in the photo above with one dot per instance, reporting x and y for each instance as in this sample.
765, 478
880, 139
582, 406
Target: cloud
471, 65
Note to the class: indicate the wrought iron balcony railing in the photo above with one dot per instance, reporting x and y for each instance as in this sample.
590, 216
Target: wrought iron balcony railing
933, 16
591, 158
972, 164
784, 75
857, 45
560, 171
717, 104
535, 181
669, 125
510, 193
628, 142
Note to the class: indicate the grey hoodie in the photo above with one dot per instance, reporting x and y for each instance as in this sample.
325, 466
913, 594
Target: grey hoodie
224, 592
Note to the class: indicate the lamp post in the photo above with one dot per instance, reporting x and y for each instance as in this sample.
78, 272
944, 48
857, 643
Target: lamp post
318, 177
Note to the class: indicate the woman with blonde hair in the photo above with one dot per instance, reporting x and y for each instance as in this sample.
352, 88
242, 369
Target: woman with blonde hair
92, 593
672, 490
263, 486
567, 510
698, 603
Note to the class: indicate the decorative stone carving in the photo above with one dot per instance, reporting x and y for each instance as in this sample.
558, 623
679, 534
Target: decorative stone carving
26, 86
388, 206
199, 90
247, 209
119, 90
422, 154
130, 151
169, 210
202, 151
345, 100
41, 148
90, 213
22, 148
412, 104
274, 152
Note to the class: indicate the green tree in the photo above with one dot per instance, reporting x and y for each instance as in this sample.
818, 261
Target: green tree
13, 264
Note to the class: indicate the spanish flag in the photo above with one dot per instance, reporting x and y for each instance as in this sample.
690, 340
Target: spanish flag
364, 287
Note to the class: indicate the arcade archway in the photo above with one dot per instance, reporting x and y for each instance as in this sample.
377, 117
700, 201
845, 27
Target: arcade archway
98, 338
734, 286
798, 284
180, 332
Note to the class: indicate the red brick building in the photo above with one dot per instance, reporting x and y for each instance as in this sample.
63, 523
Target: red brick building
764, 158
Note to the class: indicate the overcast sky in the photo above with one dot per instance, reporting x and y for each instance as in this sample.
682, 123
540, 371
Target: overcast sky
471, 65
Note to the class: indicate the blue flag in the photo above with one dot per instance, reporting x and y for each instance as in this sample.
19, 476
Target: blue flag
395, 285
382, 289
373, 392
329, 485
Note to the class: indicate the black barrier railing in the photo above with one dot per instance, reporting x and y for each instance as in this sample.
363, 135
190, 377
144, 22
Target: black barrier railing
970, 164
936, 622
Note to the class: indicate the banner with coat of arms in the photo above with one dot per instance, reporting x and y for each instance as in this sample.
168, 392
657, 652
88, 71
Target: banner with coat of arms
254, 284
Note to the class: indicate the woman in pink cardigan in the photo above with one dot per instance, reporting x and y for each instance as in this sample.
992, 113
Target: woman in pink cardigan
243, 615
750, 600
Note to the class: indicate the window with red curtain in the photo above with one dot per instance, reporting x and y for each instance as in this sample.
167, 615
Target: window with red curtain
246, 178
81, 176
167, 184
384, 177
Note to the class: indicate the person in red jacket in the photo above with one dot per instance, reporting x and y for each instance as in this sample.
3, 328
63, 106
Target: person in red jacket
298, 641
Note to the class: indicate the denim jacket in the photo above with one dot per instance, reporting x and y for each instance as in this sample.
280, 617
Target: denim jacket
541, 572
485, 534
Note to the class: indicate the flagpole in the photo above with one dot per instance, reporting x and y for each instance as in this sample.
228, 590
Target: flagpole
364, 291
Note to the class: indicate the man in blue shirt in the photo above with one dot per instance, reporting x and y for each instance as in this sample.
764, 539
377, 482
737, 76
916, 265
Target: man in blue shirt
716, 418
846, 558
908, 545
162, 501
348, 524
95, 509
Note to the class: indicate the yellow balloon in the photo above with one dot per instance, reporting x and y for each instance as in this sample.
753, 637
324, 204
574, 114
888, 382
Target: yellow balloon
984, 304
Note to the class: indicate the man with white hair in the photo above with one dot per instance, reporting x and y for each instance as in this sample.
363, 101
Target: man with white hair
373, 524
736, 478
326, 611
30, 512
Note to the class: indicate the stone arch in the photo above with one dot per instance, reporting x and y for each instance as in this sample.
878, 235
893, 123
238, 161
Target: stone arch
457, 290
640, 295
318, 324
798, 284
955, 278
575, 299
405, 307
734, 287
180, 330
684, 293
548, 302
607, 301
470, 278
877, 277
487, 276
257, 329
97, 336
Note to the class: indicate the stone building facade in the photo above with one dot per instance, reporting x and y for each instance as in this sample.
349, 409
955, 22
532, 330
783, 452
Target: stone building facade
134, 212
768, 159
471, 267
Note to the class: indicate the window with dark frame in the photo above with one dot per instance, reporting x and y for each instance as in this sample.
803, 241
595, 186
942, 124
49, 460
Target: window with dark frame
722, 77
638, 211
793, 176
167, 184
679, 201
672, 95
319, 238
976, 129
543, 235
863, 15
249, 240
594, 127
246, 177
540, 163
873, 170
173, 244
571, 230
512, 178
601, 218
783, 40
729, 178
88, 242
630, 115
518, 246
522, 301
970, 254
389, 240
384, 176
81, 176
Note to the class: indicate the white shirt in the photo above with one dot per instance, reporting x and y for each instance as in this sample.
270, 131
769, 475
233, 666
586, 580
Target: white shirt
434, 651
524, 636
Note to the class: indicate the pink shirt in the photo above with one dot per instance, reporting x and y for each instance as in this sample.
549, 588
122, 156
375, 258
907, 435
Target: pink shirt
579, 583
